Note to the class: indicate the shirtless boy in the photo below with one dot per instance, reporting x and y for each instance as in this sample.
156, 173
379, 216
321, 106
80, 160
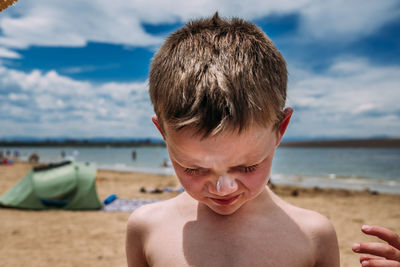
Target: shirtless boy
218, 88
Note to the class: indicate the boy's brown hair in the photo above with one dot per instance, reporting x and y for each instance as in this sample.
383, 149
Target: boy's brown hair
216, 74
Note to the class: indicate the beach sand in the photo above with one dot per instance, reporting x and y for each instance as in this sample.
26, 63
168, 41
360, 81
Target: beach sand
97, 238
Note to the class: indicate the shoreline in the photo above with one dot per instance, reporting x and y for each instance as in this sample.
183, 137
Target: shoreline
356, 169
331, 182
349, 183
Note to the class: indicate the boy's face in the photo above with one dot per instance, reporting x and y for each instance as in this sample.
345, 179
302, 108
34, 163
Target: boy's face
224, 171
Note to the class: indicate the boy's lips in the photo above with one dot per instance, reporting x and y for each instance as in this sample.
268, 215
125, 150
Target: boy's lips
225, 201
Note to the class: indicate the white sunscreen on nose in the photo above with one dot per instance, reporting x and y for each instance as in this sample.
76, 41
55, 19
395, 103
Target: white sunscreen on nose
226, 183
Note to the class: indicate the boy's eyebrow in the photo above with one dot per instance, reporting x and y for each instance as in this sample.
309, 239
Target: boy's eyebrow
247, 163
187, 164
252, 162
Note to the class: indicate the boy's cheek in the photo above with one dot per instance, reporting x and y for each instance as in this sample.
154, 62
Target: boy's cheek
255, 182
191, 185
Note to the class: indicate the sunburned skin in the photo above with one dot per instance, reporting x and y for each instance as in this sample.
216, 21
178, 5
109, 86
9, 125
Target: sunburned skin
227, 216
226, 184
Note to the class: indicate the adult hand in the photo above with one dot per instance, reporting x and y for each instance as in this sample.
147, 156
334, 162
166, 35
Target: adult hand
381, 254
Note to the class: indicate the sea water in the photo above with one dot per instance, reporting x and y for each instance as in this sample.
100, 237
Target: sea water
349, 168
354, 168
147, 159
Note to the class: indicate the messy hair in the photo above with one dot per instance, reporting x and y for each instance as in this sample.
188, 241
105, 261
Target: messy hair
217, 74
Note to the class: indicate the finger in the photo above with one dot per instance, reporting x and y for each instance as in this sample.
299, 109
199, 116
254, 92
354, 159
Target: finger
380, 263
378, 249
383, 233
369, 257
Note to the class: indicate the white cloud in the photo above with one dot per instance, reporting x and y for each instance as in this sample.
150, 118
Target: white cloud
17, 97
351, 98
364, 108
87, 68
74, 23
6, 53
344, 21
48, 104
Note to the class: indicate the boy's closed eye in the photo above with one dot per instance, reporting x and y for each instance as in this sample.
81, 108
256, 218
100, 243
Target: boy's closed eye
196, 171
193, 172
201, 171
247, 169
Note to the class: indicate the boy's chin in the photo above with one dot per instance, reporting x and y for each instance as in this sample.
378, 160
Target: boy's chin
223, 210
224, 213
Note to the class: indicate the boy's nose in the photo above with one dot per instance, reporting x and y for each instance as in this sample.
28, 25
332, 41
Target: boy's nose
226, 185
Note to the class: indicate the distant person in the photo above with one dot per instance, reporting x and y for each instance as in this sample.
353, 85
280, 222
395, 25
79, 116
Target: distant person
34, 158
380, 254
219, 88
1, 157
133, 155
8, 159
62, 154
16, 154
166, 163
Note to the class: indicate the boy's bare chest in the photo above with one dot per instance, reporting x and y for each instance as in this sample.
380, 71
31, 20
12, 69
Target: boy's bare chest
193, 244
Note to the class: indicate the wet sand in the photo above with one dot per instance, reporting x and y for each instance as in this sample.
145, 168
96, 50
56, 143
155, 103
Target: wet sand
97, 238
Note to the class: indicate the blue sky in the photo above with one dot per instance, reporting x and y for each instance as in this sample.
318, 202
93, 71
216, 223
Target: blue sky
79, 69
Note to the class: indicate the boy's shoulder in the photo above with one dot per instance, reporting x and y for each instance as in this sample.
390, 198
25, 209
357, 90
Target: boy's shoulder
150, 213
310, 222
146, 227
318, 229
309, 219
155, 213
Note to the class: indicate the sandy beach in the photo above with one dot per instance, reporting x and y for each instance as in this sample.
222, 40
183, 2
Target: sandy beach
96, 238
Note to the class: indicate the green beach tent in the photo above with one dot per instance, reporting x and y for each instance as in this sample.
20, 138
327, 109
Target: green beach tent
67, 185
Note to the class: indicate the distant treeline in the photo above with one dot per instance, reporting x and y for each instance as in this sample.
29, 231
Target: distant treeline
83, 143
351, 143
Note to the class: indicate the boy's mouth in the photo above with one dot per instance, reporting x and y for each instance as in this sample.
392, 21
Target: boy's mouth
225, 201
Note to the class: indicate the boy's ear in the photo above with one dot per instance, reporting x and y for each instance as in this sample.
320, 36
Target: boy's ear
157, 124
284, 124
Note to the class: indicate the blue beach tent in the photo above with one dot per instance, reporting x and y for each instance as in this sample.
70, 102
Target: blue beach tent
67, 185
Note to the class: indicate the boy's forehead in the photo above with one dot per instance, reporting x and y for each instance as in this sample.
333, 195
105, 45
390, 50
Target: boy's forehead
247, 146
253, 131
